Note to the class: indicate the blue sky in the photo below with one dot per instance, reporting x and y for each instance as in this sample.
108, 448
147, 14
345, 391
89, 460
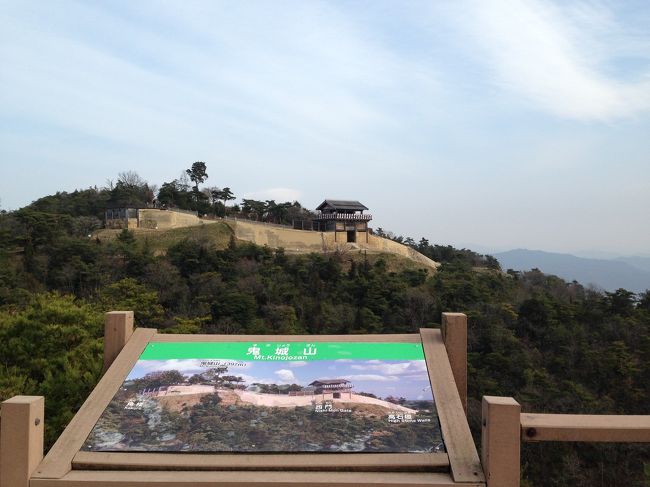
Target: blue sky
490, 124
401, 378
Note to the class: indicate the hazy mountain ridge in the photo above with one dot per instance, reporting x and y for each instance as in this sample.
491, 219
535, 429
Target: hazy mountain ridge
642, 263
631, 273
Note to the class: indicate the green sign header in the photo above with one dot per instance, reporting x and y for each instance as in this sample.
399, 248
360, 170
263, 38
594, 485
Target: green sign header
283, 351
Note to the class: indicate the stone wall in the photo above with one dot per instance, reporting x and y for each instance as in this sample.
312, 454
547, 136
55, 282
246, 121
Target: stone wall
276, 236
380, 244
309, 241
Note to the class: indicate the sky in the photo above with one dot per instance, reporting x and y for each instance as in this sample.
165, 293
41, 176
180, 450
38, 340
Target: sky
486, 124
398, 378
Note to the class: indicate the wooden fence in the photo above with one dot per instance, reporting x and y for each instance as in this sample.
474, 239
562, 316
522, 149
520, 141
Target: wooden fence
505, 427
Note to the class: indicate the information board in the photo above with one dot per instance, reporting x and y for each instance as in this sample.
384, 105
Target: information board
273, 397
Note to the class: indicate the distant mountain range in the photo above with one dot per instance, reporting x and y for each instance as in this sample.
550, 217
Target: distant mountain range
631, 273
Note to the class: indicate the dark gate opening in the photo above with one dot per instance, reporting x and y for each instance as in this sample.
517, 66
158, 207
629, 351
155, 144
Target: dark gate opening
352, 236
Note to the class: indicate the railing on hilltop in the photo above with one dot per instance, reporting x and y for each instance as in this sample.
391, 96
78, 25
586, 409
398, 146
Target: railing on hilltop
306, 225
177, 210
257, 222
343, 216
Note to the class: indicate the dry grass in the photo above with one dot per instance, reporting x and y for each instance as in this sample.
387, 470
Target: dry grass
217, 233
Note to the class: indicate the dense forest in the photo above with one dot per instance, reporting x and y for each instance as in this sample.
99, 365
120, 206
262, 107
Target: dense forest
555, 346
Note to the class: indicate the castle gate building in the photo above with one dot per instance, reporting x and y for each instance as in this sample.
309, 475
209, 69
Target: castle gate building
345, 218
333, 388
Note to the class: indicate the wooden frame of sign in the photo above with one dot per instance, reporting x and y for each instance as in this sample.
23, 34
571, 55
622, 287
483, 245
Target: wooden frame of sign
66, 466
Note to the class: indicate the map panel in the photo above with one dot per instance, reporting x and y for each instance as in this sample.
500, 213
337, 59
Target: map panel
273, 397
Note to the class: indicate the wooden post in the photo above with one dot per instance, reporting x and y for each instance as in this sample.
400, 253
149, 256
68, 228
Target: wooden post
500, 441
21, 439
118, 328
454, 334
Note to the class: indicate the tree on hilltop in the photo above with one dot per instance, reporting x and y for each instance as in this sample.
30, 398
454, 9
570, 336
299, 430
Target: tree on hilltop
219, 198
226, 195
130, 190
160, 378
258, 208
277, 212
130, 179
198, 174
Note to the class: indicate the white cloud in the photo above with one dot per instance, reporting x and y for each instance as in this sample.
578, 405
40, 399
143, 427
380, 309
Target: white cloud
402, 368
423, 376
286, 376
552, 56
277, 194
371, 377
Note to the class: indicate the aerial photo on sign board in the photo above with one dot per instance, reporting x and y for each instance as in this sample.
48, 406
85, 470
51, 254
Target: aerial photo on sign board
273, 397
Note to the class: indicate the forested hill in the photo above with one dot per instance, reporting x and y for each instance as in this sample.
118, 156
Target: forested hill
554, 346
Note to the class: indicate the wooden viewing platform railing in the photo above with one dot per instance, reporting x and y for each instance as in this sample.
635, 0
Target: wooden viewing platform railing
343, 216
504, 427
